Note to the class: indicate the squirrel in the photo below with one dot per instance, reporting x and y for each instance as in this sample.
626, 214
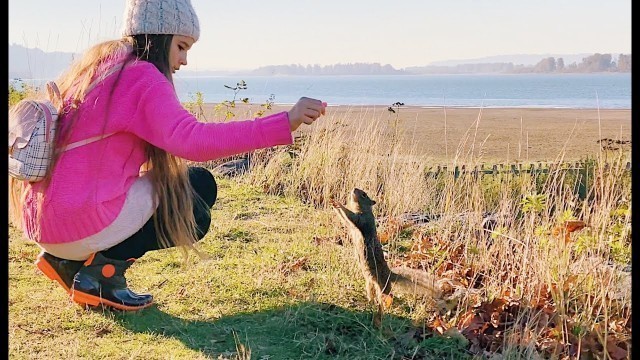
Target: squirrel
380, 280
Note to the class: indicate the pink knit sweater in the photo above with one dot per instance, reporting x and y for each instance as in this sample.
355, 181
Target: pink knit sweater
89, 183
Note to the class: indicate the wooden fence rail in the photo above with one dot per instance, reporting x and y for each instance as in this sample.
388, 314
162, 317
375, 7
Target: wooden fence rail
495, 169
582, 185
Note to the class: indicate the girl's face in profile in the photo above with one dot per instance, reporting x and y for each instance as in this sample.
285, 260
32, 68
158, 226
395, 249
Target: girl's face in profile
180, 45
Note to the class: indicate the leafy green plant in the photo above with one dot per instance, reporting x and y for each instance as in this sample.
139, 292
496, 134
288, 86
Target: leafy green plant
267, 105
227, 105
619, 234
18, 90
196, 105
534, 203
566, 216
542, 232
584, 243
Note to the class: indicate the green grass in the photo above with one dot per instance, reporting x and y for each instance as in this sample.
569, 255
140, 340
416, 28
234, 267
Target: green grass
276, 284
249, 300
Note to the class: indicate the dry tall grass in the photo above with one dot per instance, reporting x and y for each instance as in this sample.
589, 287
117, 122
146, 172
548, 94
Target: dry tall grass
570, 288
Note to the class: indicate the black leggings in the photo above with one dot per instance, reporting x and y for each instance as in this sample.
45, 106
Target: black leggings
146, 239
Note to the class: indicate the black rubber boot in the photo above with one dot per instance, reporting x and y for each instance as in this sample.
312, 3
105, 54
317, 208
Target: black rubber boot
60, 270
101, 281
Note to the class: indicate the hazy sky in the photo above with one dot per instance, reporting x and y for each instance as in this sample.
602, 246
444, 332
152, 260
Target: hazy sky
248, 34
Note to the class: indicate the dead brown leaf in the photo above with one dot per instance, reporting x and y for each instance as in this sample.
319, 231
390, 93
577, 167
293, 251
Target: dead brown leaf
293, 265
615, 351
318, 240
387, 300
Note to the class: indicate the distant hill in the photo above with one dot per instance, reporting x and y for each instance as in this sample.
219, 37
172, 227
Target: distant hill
37, 64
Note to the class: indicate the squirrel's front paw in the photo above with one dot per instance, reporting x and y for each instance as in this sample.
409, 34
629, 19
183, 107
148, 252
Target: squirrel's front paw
334, 203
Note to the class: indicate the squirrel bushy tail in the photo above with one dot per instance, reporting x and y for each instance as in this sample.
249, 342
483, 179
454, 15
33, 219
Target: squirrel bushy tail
409, 281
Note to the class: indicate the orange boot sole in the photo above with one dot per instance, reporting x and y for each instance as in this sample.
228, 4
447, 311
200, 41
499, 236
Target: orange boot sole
91, 300
50, 272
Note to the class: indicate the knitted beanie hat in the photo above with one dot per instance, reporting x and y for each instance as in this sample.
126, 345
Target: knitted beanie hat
175, 17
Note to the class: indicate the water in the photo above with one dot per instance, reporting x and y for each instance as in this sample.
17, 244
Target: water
577, 91
605, 91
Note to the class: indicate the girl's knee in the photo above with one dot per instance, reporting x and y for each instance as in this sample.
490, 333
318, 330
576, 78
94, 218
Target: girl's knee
204, 184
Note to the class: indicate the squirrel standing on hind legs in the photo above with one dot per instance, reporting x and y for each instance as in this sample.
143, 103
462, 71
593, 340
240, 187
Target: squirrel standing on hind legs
380, 280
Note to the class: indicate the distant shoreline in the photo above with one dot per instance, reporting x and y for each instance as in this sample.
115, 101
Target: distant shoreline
441, 107
541, 107
456, 91
557, 111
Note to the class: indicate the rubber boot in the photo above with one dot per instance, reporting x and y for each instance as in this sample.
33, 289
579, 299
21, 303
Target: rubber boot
101, 281
60, 270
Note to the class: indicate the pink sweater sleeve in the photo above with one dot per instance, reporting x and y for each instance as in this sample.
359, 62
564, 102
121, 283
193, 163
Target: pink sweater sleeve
161, 120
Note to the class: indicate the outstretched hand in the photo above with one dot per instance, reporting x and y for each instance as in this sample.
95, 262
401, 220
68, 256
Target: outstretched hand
306, 111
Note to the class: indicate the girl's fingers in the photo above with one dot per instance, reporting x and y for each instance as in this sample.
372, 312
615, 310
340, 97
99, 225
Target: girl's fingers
312, 113
310, 110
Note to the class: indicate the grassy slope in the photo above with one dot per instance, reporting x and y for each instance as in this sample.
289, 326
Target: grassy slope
251, 299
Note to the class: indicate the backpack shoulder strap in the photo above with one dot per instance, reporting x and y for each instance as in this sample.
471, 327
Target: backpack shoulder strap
93, 84
100, 78
49, 115
54, 92
76, 144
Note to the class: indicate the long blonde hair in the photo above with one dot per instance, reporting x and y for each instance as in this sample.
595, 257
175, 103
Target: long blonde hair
168, 173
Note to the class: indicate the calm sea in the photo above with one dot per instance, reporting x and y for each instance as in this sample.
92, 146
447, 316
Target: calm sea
605, 91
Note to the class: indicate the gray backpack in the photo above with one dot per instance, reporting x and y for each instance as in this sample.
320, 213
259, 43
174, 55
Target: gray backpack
32, 129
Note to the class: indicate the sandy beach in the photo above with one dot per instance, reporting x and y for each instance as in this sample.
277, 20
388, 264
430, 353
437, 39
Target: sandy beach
497, 134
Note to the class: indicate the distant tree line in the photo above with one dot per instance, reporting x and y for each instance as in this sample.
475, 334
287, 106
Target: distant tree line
499, 67
594, 63
337, 69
